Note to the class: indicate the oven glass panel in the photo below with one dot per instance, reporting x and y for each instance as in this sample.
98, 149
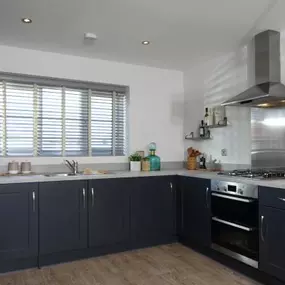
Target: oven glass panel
236, 240
235, 211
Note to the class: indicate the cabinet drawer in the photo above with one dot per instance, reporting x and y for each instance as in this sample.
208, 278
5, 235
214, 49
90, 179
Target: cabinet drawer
272, 197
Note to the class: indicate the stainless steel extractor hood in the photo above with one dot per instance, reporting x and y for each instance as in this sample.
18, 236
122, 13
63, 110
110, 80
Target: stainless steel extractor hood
268, 90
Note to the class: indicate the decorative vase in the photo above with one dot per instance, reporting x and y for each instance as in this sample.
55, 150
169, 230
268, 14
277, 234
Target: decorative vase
154, 160
135, 165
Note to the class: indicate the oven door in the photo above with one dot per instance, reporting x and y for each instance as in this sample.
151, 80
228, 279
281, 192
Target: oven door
235, 227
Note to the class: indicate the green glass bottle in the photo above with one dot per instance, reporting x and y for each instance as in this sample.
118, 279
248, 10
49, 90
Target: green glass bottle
154, 160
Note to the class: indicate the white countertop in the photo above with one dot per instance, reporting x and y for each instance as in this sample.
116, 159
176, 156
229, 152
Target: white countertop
276, 183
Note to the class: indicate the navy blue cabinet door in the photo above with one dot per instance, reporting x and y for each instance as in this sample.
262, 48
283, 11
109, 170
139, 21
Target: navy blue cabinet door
271, 242
153, 209
18, 221
63, 216
109, 211
195, 210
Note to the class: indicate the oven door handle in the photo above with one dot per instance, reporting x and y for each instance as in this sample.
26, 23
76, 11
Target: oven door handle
233, 224
245, 200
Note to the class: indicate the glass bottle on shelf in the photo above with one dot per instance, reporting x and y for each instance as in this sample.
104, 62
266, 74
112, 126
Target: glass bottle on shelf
211, 117
202, 129
206, 117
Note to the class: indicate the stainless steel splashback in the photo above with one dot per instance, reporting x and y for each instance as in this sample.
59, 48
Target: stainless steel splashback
268, 138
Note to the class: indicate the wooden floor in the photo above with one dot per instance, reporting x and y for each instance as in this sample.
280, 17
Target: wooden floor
164, 265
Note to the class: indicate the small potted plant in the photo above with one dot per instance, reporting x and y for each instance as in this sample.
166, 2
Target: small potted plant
135, 162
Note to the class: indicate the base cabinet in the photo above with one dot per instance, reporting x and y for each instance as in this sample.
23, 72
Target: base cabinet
272, 245
195, 210
109, 211
153, 211
63, 216
18, 221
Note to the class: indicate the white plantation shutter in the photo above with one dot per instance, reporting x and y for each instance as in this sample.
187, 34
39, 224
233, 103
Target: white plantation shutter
76, 122
2, 116
19, 119
120, 134
39, 119
108, 123
50, 129
101, 124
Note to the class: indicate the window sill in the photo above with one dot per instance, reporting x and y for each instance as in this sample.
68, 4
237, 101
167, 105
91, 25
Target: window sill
59, 160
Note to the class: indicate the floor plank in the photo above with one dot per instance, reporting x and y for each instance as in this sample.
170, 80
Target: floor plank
163, 265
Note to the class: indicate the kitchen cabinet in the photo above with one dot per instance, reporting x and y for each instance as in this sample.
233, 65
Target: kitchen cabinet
109, 211
18, 221
271, 242
153, 211
195, 210
272, 197
63, 216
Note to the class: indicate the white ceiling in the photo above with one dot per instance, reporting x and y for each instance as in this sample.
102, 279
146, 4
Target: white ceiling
180, 31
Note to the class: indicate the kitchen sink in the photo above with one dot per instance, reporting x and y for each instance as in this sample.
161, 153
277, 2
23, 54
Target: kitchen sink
61, 174
78, 174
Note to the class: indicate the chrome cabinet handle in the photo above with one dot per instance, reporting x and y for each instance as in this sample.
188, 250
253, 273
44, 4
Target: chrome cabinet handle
182, 213
92, 197
207, 192
171, 186
261, 228
34, 201
282, 199
84, 200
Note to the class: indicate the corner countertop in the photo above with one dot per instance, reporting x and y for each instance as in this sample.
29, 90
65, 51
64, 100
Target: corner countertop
275, 183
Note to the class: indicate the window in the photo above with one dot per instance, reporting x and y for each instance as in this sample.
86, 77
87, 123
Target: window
47, 118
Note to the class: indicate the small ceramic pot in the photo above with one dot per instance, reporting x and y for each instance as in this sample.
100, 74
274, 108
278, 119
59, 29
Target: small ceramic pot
13, 167
135, 165
26, 167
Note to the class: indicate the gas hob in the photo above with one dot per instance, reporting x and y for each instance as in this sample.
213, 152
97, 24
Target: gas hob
257, 173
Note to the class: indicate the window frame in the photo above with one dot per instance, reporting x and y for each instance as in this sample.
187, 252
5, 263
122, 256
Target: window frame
88, 86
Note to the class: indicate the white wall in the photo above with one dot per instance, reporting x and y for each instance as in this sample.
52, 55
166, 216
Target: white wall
211, 83
156, 96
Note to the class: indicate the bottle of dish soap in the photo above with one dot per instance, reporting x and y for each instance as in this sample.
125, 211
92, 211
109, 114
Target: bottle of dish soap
154, 160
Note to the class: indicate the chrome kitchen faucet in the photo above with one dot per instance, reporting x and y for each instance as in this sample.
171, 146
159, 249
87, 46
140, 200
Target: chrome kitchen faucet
73, 166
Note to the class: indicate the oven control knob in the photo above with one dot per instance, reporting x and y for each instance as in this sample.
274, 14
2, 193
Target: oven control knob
240, 191
225, 188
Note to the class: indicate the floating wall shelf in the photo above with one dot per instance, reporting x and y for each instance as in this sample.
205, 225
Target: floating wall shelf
197, 138
217, 126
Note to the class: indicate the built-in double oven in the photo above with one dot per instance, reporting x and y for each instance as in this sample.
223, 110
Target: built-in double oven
235, 220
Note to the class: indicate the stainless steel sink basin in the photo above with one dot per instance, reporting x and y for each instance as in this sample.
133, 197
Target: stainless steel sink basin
61, 174
71, 174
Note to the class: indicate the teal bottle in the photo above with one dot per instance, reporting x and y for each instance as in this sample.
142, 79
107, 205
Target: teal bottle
154, 160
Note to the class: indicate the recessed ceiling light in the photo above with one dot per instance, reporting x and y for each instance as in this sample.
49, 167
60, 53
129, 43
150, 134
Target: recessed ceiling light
90, 36
26, 20
145, 43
